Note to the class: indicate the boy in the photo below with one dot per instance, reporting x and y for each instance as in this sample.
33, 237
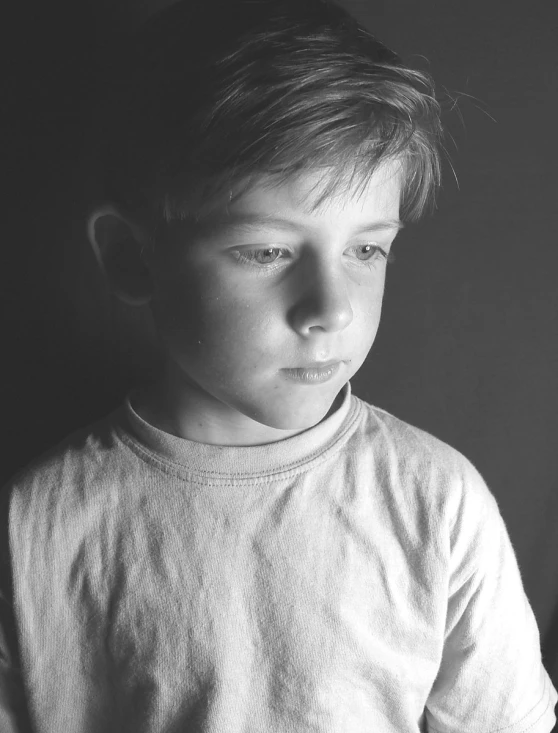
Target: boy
245, 546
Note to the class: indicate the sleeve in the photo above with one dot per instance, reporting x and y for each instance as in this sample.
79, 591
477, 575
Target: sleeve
14, 716
491, 677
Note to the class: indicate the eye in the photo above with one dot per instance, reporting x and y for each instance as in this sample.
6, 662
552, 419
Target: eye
369, 251
264, 256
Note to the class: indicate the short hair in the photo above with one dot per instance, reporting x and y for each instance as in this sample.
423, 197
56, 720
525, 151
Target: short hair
208, 97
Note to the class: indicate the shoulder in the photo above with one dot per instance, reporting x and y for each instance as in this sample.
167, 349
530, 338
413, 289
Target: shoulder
431, 488
72, 462
423, 464
407, 441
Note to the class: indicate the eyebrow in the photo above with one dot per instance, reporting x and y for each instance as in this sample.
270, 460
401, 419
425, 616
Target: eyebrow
247, 221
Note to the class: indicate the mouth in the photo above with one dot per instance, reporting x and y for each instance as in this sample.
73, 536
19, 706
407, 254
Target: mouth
314, 374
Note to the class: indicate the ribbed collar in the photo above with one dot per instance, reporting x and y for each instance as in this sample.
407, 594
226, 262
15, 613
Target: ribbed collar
212, 463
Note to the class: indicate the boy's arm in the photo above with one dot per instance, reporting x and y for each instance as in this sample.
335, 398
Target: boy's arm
14, 716
491, 677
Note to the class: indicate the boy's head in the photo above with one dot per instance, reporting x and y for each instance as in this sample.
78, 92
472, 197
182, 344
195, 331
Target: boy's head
220, 113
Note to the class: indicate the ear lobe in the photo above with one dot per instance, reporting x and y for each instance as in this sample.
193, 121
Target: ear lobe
118, 245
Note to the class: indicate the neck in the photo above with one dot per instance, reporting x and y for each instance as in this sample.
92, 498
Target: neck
180, 408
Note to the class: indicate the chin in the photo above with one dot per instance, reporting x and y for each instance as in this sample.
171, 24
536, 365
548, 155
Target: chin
294, 415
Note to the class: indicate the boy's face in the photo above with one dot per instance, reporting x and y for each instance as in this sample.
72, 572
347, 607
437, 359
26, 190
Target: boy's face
246, 299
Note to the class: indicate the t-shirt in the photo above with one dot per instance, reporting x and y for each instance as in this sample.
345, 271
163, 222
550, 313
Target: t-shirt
354, 578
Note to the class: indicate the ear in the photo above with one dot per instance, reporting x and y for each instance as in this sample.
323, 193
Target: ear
119, 244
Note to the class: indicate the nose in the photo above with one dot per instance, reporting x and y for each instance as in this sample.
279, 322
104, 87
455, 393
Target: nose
322, 300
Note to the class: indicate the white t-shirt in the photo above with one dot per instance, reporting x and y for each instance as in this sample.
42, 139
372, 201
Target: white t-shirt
355, 578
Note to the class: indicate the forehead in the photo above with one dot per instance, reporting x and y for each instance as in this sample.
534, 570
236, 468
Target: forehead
302, 199
298, 205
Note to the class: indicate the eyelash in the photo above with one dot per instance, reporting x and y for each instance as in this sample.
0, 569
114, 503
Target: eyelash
247, 257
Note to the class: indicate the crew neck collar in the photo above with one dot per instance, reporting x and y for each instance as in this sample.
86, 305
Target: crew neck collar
218, 463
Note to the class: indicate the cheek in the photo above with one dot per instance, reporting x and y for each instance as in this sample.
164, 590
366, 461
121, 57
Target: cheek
369, 300
199, 316
184, 298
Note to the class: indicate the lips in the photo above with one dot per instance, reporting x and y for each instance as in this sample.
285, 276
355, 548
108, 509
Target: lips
314, 375
318, 364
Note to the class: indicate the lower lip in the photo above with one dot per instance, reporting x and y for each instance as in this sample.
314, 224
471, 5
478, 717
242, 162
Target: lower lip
313, 376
